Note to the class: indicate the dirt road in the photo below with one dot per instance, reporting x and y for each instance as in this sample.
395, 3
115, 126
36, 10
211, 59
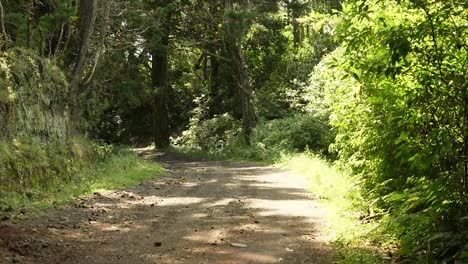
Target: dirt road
197, 212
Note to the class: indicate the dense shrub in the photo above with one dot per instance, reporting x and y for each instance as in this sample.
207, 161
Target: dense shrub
212, 135
294, 134
221, 136
396, 93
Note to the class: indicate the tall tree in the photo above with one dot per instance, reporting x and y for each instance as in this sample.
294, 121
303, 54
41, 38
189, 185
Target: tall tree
234, 35
295, 9
159, 73
87, 16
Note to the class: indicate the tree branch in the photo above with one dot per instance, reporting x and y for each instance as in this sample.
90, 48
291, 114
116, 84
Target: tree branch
100, 51
4, 36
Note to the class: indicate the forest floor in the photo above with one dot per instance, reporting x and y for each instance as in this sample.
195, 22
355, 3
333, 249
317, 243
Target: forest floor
197, 212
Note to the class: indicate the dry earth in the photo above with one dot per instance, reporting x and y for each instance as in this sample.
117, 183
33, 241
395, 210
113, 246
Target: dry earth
191, 214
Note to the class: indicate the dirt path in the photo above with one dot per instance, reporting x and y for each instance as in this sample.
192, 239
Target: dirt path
191, 214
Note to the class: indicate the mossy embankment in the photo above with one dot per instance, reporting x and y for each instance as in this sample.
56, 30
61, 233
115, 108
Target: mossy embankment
43, 160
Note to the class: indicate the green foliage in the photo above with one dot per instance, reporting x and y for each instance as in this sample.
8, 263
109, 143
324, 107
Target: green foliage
119, 110
278, 67
114, 118
294, 134
39, 25
33, 97
220, 136
29, 166
396, 93
212, 135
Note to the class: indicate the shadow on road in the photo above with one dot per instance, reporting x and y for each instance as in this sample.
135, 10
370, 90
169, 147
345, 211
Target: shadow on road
194, 213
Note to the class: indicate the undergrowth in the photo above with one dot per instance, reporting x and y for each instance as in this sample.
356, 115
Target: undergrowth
120, 169
221, 138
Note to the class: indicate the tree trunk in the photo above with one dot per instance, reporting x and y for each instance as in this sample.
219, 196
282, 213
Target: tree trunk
214, 103
159, 77
297, 28
87, 15
239, 67
3, 34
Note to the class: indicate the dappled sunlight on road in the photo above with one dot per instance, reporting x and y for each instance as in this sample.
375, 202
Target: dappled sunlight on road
294, 208
199, 212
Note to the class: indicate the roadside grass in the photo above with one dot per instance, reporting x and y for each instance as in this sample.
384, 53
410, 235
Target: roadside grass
341, 197
119, 170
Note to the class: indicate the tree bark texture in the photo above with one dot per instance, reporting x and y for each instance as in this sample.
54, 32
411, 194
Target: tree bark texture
3, 34
87, 16
160, 78
239, 67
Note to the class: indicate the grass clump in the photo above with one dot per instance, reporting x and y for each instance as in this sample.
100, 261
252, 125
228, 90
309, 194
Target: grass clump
341, 197
121, 170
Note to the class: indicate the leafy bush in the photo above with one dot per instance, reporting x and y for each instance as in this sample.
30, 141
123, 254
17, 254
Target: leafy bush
396, 94
212, 135
294, 134
221, 136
